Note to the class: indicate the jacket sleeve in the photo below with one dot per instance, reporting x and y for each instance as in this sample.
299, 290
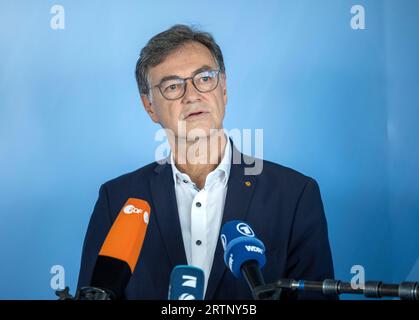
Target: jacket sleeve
99, 226
309, 254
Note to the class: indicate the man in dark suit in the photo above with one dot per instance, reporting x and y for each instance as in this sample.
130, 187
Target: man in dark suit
202, 185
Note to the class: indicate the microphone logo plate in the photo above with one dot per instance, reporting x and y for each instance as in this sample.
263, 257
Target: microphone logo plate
131, 209
190, 281
186, 296
245, 230
224, 241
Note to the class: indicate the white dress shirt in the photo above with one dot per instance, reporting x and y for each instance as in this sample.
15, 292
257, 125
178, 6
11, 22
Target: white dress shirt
201, 212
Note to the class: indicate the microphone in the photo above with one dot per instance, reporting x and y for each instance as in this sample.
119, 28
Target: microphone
119, 253
186, 283
244, 254
333, 288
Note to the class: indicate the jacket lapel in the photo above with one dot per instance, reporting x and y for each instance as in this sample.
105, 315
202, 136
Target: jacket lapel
239, 193
166, 213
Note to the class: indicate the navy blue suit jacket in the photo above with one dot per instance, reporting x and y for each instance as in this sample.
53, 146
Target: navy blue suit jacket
283, 206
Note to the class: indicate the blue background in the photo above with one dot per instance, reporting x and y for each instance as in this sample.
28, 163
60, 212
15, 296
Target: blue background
337, 104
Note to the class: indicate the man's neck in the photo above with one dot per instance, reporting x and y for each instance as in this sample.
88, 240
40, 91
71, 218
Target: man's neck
198, 158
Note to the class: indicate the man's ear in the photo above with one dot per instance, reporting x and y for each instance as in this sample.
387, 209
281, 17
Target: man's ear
224, 85
149, 108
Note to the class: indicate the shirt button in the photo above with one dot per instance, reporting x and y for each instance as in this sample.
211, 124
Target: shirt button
198, 204
198, 242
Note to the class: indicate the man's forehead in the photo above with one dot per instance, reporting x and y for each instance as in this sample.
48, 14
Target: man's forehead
184, 61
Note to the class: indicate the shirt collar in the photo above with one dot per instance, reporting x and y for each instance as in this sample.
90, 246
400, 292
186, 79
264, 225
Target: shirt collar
223, 168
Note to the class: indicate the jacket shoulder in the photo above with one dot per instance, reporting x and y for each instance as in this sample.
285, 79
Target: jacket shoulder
284, 175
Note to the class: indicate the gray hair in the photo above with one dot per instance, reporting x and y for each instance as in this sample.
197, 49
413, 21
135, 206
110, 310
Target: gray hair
165, 43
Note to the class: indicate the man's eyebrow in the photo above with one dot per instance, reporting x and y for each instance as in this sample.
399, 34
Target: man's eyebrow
203, 68
173, 76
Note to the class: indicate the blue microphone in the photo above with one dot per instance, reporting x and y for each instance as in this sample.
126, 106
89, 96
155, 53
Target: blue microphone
186, 283
244, 254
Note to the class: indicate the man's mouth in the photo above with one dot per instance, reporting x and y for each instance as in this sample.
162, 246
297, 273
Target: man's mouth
195, 114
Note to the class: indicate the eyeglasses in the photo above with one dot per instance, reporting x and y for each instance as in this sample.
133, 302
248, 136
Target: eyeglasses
173, 89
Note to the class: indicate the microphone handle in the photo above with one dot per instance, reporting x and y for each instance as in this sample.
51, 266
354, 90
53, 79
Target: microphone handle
94, 293
372, 289
252, 274
85, 293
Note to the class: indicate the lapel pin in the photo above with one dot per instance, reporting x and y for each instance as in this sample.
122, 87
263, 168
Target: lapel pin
247, 183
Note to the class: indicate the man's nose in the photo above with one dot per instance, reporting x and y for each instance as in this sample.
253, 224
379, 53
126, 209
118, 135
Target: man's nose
191, 93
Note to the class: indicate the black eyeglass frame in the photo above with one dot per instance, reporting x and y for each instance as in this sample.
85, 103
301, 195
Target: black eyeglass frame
184, 80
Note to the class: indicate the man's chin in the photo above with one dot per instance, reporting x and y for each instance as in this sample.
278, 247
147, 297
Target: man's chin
197, 131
